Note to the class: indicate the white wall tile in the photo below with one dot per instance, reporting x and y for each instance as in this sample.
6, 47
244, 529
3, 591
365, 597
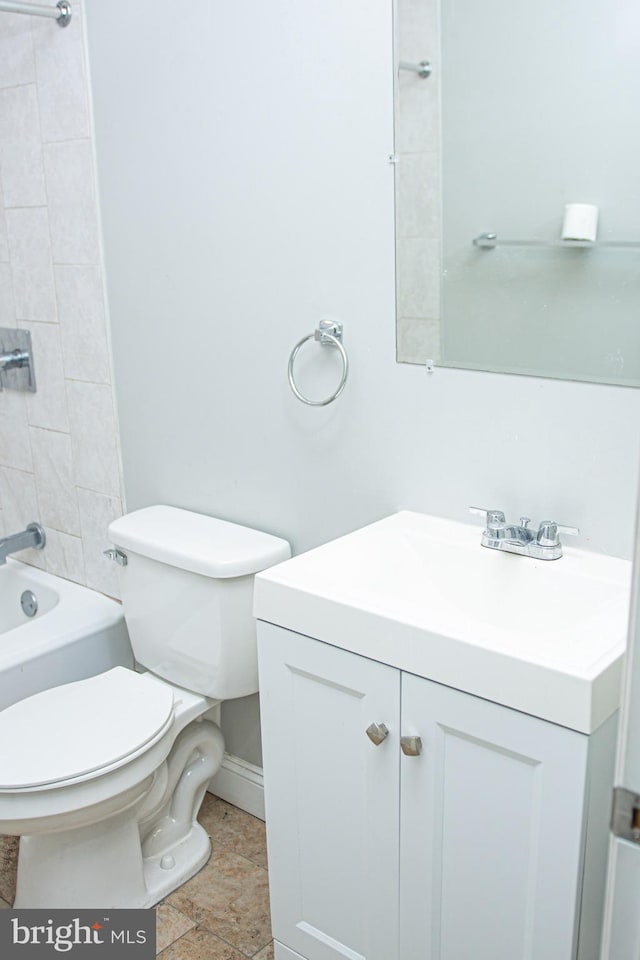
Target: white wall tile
418, 278
72, 202
417, 117
20, 507
96, 513
48, 214
21, 148
17, 63
31, 266
15, 450
418, 340
93, 437
62, 87
64, 555
18, 496
4, 241
417, 23
418, 196
7, 305
82, 323
47, 407
418, 184
53, 471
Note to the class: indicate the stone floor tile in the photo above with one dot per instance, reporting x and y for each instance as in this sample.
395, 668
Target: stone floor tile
266, 953
230, 898
8, 867
233, 829
200, 944
170, 925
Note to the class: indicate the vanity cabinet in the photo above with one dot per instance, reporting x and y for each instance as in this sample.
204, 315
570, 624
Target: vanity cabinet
488, 844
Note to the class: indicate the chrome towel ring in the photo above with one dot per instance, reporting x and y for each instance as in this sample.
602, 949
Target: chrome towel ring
328, 333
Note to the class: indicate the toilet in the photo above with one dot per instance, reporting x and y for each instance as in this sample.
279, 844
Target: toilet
103, 778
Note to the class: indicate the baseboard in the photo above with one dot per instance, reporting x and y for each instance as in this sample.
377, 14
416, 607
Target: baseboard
283, 953
241, 784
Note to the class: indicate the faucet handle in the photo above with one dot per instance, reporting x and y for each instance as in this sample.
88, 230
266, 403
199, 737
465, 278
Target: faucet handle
495, 522
490, 516
548, 533
570, 531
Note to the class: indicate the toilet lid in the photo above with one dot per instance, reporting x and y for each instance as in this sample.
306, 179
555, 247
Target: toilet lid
77, 729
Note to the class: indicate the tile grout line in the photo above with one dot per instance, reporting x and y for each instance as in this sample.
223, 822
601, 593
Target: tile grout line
201, 926
229, 848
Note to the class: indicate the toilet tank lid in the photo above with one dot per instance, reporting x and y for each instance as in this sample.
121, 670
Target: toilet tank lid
196, 542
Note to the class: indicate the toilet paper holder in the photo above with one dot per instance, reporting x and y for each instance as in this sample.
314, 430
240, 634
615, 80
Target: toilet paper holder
490, 240
579, 229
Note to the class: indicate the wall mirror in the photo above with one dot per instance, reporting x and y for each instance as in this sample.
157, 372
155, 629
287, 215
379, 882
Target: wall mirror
521, 110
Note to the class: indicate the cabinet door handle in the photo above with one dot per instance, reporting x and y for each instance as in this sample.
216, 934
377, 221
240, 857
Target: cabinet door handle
377, 732
411, 746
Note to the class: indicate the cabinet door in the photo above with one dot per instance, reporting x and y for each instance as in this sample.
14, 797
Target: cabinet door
331, 797
491, 830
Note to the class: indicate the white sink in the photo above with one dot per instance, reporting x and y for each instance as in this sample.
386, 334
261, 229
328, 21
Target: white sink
420, 593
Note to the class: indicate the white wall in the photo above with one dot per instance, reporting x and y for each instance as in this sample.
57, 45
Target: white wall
246, 193
58, 447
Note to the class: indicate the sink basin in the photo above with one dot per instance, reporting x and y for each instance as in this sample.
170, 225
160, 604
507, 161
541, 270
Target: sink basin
420, 593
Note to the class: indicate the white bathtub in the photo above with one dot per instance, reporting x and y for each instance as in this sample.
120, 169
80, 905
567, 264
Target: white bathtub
76, 633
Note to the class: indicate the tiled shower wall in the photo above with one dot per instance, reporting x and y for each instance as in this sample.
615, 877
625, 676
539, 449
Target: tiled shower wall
59, 460
418, 201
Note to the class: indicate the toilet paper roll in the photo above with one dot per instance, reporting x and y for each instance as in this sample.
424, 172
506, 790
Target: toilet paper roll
580, 221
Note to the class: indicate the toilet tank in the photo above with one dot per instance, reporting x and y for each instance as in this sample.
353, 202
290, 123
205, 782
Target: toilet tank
187, 594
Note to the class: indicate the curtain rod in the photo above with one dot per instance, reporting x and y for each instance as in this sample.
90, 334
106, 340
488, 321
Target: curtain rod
61, 12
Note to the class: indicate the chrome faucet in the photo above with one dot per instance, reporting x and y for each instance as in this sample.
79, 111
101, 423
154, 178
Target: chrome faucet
543, 544
16, 360
32, 536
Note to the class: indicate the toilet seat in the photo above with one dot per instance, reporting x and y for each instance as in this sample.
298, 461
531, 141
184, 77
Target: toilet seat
82, 730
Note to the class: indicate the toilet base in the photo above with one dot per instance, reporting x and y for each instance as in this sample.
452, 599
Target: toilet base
189, 857
136, 857
105, 871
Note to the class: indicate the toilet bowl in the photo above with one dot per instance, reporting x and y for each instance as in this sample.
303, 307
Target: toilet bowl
103, 778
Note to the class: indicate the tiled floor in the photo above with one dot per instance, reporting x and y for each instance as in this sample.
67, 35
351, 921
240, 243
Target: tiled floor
220, 914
